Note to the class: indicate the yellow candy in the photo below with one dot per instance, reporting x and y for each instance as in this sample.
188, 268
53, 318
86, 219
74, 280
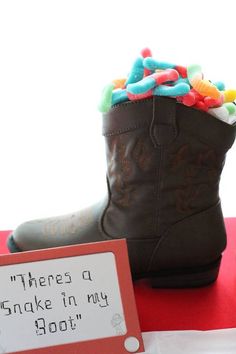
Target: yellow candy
229, 95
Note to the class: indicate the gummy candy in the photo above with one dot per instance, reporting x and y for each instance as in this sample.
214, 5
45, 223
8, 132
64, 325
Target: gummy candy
149, 77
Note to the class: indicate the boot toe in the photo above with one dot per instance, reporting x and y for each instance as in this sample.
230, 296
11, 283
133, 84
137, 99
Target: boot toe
27, 236
65, 230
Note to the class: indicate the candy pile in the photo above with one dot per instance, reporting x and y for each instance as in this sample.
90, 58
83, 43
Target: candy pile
149, 77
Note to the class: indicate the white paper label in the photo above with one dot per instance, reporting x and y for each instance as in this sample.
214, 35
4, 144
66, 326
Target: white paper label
59, 301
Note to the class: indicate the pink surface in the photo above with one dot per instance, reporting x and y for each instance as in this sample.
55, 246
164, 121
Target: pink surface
212, 307
3, 237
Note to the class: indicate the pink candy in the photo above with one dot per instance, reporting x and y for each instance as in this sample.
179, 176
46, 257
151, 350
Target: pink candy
146, 52
166, 75
133, 97
194, 99
212, 102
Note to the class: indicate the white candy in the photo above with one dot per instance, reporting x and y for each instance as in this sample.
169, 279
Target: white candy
232, 119
220, 113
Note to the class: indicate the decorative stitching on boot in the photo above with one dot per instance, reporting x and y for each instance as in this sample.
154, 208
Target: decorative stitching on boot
121, 131
125, 105
158, 199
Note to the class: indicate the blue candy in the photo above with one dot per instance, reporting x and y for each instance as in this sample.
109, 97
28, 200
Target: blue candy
183, 80
142, 86
119, 96
220, 85
180, 89
152, 64
136, 73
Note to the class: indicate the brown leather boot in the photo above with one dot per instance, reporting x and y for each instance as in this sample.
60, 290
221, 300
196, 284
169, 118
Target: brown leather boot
164, 165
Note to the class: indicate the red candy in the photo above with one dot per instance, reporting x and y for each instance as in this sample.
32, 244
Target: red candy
182, 71
146, 52
166, 75
201, 105
147, 72
212, 102
191, 98
133, 97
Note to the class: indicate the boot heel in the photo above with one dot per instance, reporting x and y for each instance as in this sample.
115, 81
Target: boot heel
187, 278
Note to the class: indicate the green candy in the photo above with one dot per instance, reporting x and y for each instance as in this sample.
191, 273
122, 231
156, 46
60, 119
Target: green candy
193, 70
106, 98
231, 108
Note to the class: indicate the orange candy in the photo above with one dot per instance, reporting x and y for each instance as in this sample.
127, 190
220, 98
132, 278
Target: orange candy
205, 88
202, 86
119, 83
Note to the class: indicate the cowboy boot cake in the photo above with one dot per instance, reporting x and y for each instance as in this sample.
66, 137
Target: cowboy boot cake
167, 131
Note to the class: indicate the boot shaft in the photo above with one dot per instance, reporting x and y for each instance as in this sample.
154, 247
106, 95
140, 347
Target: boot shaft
164, 164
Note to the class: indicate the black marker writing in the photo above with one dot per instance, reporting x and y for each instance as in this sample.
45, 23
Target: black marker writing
98, 298
28, 281
68, 300
43, 327
35, 305
87, 275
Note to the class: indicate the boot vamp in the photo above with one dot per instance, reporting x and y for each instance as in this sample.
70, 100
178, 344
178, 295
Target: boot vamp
74, 228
